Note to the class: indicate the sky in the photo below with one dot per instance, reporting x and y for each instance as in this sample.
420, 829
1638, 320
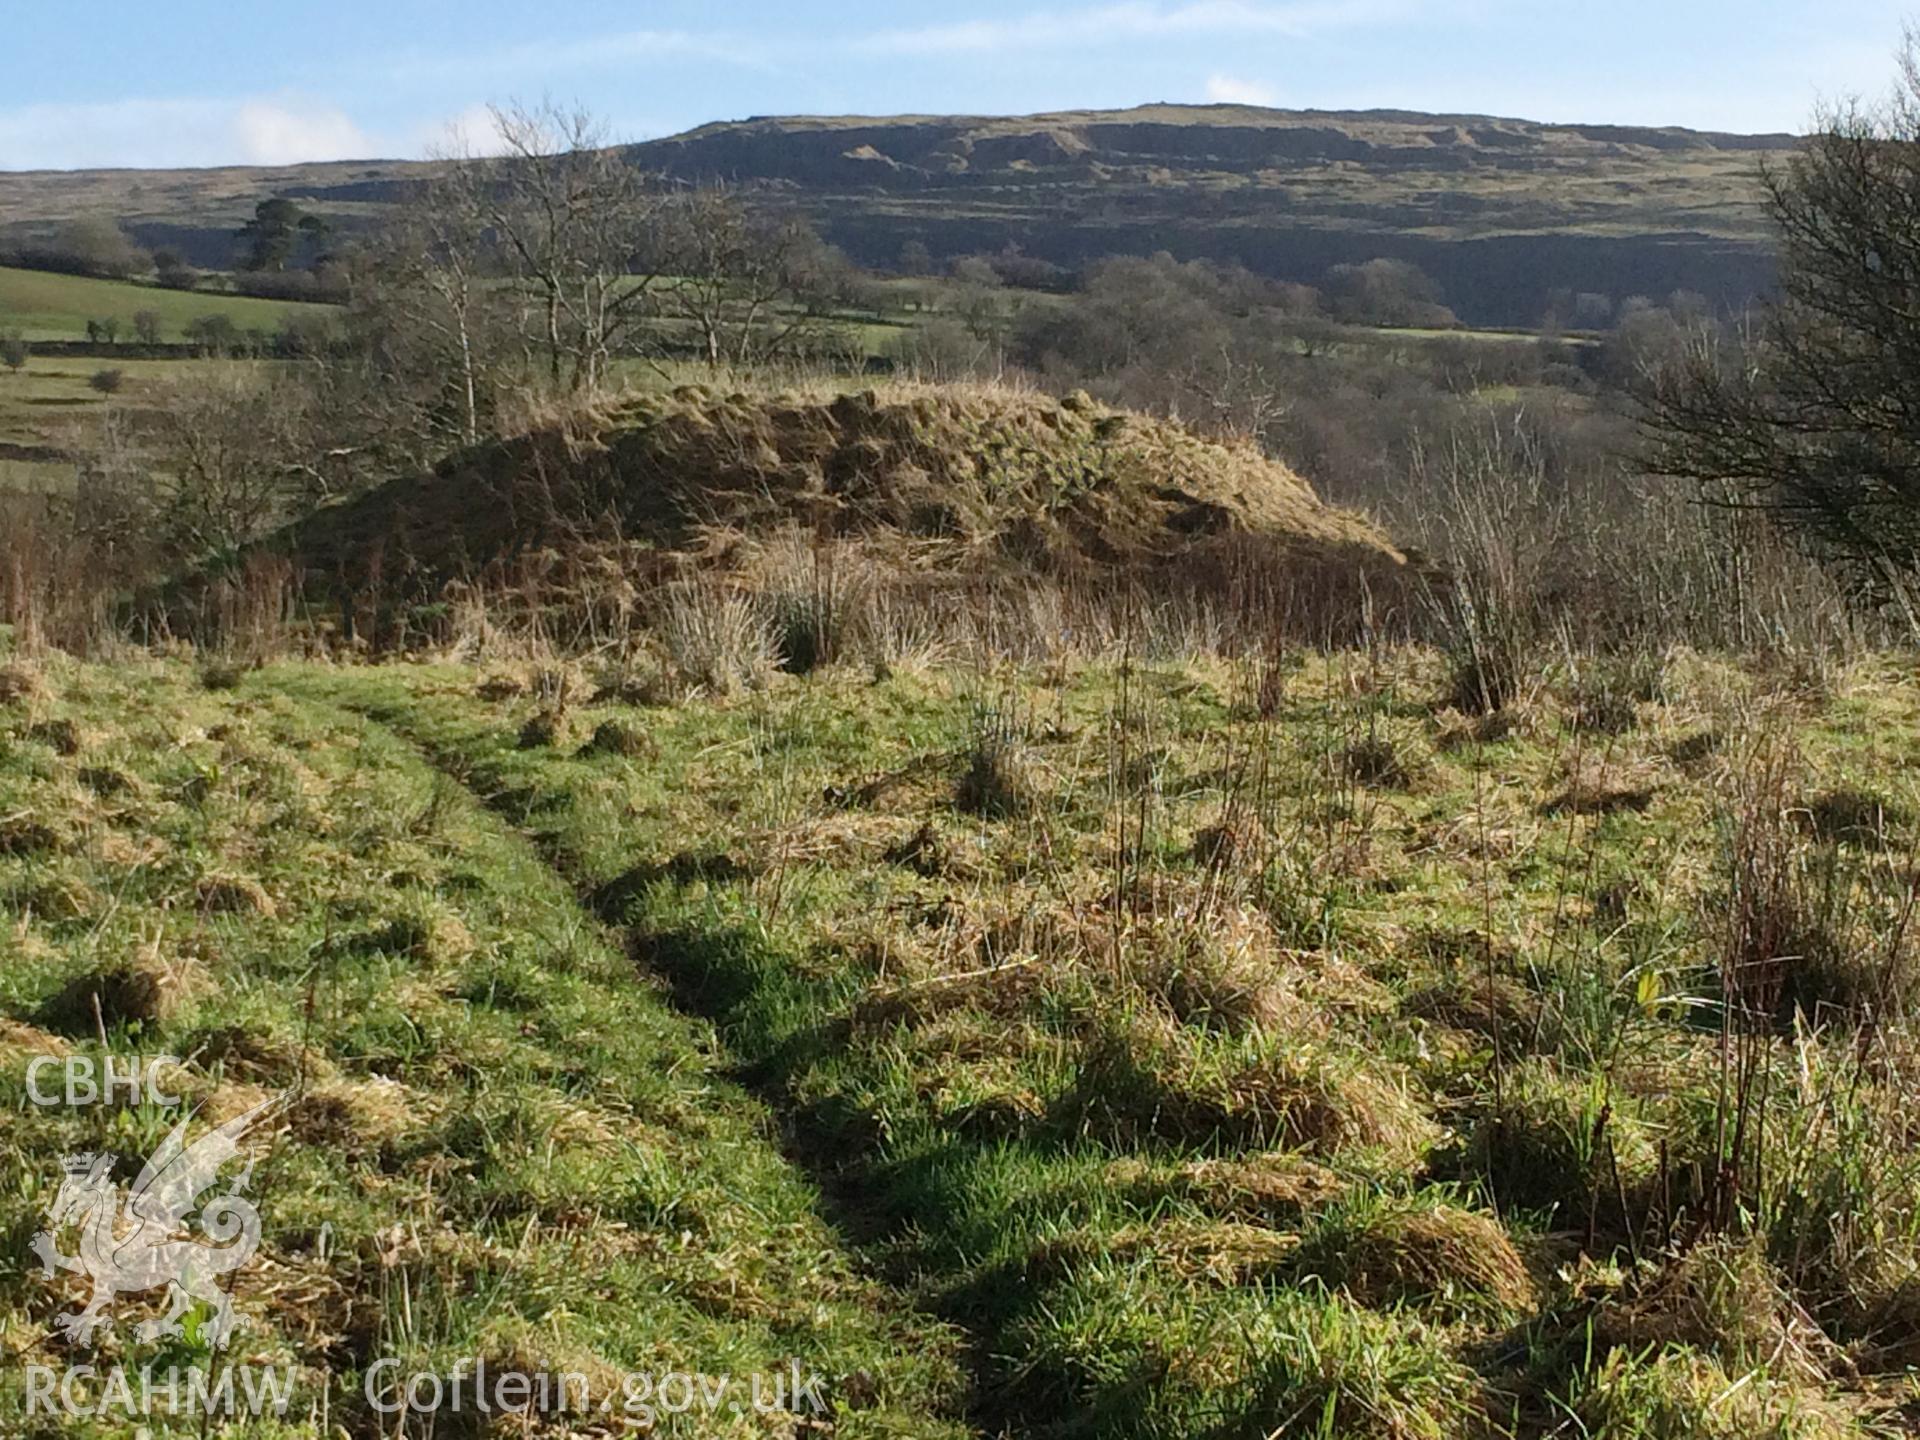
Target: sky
153, 83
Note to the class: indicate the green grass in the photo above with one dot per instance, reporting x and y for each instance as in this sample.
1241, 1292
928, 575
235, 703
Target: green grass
44, 306
1171, 1080
1148, 1058
501, 1144
35, 476
50, 396
1490, 337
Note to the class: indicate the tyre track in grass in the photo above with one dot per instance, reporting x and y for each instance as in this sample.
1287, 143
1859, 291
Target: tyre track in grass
696, 990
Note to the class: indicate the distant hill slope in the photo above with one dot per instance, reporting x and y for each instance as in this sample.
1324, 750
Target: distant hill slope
1500, 211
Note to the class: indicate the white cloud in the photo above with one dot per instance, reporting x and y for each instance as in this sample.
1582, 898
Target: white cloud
276, 134
151, 134
1231, 90
1108, 23
473, 131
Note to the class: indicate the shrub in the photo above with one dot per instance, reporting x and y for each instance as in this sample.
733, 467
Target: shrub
815, 600
213, 334
173, 272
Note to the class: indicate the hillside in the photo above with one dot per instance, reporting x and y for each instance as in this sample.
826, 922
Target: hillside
1500, 211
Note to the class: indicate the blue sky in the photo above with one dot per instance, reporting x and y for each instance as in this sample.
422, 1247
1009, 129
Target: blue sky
198, 82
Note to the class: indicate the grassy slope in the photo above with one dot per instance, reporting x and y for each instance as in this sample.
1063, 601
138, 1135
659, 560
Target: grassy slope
497, 1118
1525, 175
43, 306
1240, 1153
964, 475
51, 391
1215, 1075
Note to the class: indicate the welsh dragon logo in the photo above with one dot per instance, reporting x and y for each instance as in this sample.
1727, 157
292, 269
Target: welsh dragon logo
138, 1240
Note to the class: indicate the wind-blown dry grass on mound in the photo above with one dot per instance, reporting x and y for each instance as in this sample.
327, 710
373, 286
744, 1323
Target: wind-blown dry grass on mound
933, 485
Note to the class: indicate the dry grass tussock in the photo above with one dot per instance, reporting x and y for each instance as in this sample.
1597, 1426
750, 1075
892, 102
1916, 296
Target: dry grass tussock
1682, 1395
1276, 1188
20, 684
1210, 966
227, 894
1145, 1076
1604, 784
144, 988
359, 1114
1438, 1254
1723, 1299
1220, 1252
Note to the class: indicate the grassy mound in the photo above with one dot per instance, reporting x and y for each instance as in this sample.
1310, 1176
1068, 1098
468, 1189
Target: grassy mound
950, 481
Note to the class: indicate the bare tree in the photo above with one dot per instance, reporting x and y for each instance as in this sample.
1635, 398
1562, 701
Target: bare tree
574, 221
427, 301
500, 274
221, 443
979, 299
750, 285
1811, 412
1236, 396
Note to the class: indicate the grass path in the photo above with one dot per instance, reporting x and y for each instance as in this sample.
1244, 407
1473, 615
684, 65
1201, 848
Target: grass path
1114, 1277
502, 1143
762, 997
1218, 1068
1080, 1052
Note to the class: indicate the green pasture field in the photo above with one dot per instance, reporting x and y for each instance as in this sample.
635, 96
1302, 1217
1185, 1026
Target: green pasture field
45, 306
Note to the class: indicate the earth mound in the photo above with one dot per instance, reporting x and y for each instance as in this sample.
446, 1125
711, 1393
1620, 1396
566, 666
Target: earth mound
949, 482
